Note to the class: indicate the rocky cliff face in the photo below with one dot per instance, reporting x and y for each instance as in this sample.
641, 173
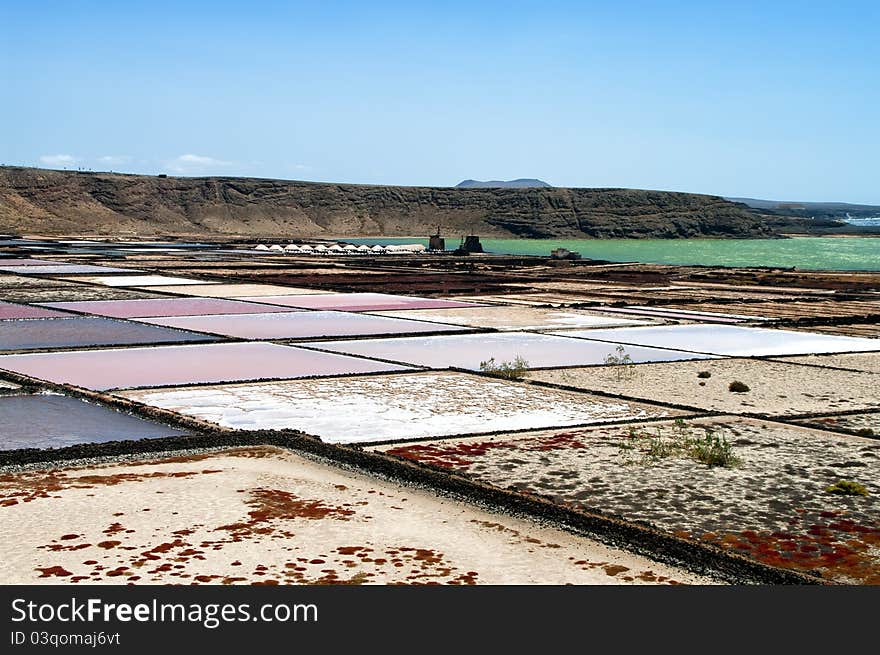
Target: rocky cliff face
520, 183
40, 201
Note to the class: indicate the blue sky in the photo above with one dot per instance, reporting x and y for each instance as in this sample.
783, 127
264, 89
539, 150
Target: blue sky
765, 99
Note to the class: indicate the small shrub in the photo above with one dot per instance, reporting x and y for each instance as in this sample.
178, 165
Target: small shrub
865, 432
713, 450
658, 447
515, 370
704, 374
738, 387
625, 366
847, 488
710, 449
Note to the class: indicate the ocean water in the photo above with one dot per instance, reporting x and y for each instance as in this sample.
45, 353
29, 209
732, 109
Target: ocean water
873, 221
809, 253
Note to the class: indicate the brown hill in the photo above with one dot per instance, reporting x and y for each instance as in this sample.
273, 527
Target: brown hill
39, 201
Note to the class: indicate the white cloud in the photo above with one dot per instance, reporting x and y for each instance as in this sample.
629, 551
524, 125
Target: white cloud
114, 160
197, 165
59, 161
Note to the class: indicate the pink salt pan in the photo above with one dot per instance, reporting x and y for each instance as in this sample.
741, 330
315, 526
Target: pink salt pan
11, 310
18, 261
300, 325
176, 365
150, 307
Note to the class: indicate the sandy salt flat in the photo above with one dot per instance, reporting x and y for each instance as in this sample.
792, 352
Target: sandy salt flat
235, 290
514, 318
8, 281
733, 341
532, 299
772, 506
70, 292
261, 515
360, 302
775, 388
379, 408
680, 314
869, 362
866, 423
794, 308
870, 330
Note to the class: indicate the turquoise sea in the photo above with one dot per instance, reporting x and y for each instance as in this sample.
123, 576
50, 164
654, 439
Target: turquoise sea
810, 253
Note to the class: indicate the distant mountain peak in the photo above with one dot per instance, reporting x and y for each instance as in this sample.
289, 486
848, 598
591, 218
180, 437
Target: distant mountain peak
521, 183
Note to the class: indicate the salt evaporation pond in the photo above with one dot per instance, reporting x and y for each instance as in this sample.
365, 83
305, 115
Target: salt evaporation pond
74, 332
13, 311
468, 351
139, 280
150, 307
172, 365
22, 261
62, 269
515, 318
242, 291
734, 341
300, 325
55, 421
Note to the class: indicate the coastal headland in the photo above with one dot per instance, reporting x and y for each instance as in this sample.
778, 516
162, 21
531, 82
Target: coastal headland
62, 202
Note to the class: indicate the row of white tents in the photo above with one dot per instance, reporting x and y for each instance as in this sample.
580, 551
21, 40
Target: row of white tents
337, 249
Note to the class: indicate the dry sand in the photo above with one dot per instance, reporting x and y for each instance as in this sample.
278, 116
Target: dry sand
772, 506
867, 423
868, 362
776, 389
538, 299
70, 293
266, 516
870, 330
10, 281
